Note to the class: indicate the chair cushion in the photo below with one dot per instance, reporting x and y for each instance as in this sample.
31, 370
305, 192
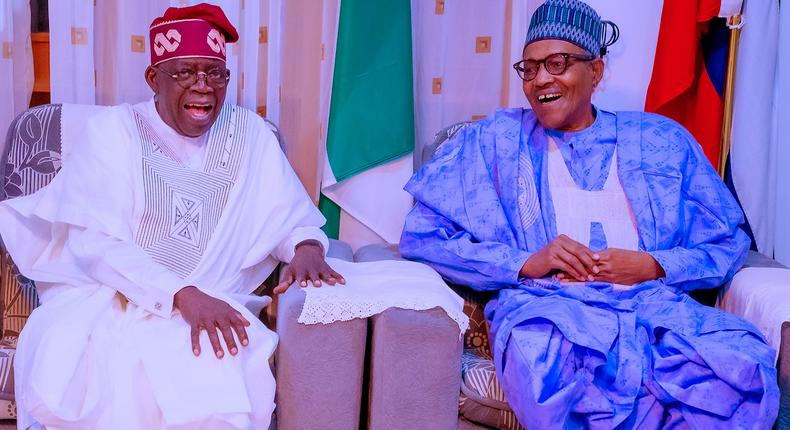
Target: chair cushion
482, 398
476, 336
340, 250
377, 252
7, 353
18, 296
783, 368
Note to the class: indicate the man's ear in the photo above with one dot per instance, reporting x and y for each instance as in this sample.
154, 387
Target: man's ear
150, 79
597, 69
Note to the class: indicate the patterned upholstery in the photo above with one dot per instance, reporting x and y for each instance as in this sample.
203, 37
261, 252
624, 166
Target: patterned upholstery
30, 161
482, 399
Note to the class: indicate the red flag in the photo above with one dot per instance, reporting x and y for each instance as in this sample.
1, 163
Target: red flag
680, 86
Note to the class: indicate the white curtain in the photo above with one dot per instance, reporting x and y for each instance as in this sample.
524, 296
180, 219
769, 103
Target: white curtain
459, 62
121, 49
112, 38
71, 51
753, 154
781, 138
16, 62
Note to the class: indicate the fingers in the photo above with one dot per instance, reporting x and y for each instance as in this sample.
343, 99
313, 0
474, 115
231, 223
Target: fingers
281, 287
214, 339
227, 334
239, 324
604, 273
571, 265
195, 335
325, 274
583, 253
313, 276
331, 277
287, 279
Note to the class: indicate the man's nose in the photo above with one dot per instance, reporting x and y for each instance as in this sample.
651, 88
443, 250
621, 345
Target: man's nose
201, 84
543, 76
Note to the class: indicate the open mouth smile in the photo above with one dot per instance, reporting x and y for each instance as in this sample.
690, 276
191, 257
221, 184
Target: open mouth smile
199, 111
549, 98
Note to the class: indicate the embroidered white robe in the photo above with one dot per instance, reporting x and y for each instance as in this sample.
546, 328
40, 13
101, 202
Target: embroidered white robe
127, 223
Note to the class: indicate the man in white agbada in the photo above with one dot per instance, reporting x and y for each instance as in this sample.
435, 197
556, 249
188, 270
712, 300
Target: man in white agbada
146, 246
163, 219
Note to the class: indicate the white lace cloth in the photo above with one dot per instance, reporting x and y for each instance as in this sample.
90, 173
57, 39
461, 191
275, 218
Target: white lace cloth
373, 287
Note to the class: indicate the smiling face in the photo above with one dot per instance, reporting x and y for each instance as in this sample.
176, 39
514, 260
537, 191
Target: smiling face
189, 111
562, 102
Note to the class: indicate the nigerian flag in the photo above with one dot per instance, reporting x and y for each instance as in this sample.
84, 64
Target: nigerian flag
371, 112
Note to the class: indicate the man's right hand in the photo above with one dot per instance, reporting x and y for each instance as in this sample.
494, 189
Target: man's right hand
204, 312
565, 255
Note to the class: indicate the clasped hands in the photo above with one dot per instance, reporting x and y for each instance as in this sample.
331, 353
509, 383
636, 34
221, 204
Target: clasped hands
569, 260
204, 312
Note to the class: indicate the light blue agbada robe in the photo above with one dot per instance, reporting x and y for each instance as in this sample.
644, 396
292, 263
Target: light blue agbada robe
586, 356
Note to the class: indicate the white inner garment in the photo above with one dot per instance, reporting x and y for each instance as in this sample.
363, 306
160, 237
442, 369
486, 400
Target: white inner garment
575, 208
189, 150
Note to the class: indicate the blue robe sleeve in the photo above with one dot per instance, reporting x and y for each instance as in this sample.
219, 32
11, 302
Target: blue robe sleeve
454, 253
709, 246
460, 225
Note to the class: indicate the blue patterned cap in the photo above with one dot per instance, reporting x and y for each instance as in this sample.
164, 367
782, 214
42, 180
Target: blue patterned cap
573, 21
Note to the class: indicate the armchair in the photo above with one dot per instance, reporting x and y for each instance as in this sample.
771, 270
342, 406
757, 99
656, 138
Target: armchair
482, 402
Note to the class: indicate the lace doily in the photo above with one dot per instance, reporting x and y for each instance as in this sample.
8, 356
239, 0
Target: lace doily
374, 287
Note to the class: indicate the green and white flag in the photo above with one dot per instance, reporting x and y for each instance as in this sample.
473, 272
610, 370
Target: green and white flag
371, 117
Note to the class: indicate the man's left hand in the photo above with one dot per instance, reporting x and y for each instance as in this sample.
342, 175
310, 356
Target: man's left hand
620, 266
308, 266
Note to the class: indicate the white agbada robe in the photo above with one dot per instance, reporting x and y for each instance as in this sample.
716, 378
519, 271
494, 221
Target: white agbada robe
134, 216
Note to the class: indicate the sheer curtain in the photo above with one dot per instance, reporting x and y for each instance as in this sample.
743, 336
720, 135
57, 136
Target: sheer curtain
461, 61
781, 139
99, 52
16, 62
71, 56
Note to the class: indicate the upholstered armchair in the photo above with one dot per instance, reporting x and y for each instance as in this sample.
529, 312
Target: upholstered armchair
396, 370
760, 293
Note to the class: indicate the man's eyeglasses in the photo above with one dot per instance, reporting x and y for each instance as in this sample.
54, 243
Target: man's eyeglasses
217, 77
555, 64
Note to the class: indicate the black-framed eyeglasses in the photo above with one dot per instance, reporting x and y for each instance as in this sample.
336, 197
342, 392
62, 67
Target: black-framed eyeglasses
217, 77
555, 64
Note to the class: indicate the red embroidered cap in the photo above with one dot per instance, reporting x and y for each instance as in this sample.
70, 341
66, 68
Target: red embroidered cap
188, 32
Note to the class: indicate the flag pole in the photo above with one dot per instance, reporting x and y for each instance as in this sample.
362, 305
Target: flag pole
734, 22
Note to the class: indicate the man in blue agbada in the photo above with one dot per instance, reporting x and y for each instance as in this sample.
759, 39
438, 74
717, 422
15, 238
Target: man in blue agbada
592, 227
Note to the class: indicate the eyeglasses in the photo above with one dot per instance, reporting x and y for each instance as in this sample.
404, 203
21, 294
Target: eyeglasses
217, 77
555, 64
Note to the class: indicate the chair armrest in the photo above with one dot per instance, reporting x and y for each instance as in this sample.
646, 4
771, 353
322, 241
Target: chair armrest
378, 252
755, 259
760, 296
340, 250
